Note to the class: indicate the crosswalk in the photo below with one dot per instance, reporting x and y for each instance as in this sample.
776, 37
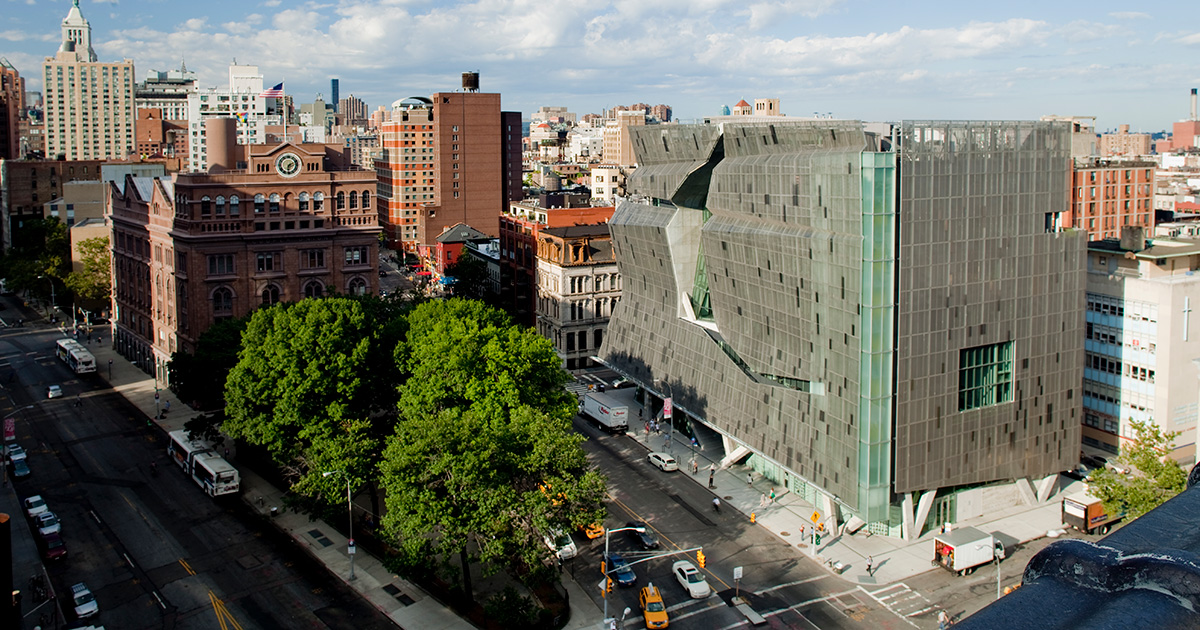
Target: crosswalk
902, 600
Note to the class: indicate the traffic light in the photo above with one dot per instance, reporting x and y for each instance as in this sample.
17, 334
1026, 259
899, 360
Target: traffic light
700, 558
603, 568
608, 587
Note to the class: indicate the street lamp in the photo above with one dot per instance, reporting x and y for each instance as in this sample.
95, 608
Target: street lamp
52, 300
604, 561
350, 510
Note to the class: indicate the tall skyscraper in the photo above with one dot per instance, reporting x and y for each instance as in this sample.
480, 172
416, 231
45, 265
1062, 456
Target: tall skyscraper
876, 317
333, 92
12, 105
90, 107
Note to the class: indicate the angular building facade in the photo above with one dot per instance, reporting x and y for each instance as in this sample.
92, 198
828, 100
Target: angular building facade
877, 314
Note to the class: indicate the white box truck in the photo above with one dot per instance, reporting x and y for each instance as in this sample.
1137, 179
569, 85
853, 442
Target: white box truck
610, 413
965, 549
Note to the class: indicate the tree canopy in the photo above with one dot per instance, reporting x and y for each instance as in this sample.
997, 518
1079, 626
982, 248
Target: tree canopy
1153, 476
94, 282
200, 377
484, 461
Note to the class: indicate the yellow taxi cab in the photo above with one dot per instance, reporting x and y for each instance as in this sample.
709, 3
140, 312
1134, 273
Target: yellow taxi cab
653, 609
594, 531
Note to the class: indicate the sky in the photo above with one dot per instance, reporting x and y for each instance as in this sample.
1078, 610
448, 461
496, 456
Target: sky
1123, 63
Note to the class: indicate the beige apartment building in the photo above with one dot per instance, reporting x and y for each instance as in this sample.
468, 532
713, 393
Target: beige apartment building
89, 105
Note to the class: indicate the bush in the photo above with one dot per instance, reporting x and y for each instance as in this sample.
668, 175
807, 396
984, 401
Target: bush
510, 609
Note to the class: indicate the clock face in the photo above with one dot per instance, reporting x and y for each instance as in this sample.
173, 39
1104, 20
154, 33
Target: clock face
288, 165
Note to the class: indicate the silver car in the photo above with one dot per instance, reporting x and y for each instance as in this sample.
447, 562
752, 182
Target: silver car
47, 523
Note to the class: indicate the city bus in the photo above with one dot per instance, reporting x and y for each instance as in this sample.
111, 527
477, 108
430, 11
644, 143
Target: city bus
77, 357
200, 462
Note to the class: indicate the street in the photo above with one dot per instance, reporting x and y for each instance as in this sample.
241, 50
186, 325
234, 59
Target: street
153, 548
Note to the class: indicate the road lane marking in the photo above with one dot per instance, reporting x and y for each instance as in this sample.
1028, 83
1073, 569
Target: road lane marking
639, 517
796, 583
186, 567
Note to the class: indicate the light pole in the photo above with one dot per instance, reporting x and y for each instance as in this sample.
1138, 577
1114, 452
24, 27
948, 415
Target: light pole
350, 509
51, 281
604, 563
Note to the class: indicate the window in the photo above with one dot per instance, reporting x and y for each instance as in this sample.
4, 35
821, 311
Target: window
220, 264
313, 258
222, 301
233, 206
303, 202
341, 201
259, 203
270, 261
353, 199
270, 295
274, 202
220, 206
313, 289
357, 286
205, 206
356, 255
366, 199
985, 376
318, 201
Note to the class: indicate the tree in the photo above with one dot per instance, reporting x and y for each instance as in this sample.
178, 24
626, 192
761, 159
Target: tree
311, 387
1153, 476
200, 377
94, 282
470, 277
484, 461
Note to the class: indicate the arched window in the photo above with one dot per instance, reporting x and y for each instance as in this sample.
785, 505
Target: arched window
318, 201
357, 286
353, 199
313, 289
259, 202
233, 206
366, 198
274, 202
303, 202
220, 206
222, 301
341, 201
270, 295
205, 206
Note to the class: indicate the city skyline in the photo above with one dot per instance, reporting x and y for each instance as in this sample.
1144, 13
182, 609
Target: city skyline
870, 61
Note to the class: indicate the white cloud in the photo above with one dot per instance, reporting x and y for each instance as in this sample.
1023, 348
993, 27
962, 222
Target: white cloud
271, 3
1130, 15
1190, 40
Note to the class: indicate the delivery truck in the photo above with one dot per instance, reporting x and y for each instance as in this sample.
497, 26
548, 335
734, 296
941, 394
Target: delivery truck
1086, 513
964, 549
611, 414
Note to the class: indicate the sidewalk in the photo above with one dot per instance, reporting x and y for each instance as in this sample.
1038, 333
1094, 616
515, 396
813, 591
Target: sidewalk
895, 559
407, 605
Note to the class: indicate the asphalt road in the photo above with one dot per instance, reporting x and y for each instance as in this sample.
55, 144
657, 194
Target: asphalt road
783, 585
156, 551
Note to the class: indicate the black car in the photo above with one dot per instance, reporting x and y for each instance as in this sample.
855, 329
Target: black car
20, 469
619, 569
645, 539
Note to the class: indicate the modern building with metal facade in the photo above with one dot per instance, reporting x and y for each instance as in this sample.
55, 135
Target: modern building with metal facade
874, 312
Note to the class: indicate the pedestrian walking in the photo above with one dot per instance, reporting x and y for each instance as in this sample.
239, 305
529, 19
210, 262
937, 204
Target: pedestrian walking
167, 404
871, 566
762, 500
716, 505
749, 478
666, 442
647, 429
772, 495
695, 466
944, 621
711, 472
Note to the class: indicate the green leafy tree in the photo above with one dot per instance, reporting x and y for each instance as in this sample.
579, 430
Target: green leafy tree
200, 378
93, 283
484, 462
1153, 476
471, 278
311, 387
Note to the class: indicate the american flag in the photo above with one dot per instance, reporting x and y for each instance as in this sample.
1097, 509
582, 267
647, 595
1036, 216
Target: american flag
275, 92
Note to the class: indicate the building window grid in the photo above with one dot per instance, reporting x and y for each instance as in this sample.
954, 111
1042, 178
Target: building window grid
985, 376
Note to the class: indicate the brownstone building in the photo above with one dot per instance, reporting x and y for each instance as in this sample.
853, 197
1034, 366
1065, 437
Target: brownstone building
267, 223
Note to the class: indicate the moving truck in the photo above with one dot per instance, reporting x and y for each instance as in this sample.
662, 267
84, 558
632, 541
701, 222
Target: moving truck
610, 413
963, 550
1085, 513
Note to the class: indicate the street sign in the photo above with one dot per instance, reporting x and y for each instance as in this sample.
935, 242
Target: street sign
667, 406
350, 548
737, 573
816, 517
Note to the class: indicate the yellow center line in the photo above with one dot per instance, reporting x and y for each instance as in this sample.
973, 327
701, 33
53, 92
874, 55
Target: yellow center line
639, 517
187, 567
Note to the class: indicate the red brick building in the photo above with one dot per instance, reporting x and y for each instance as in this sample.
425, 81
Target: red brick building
27, 184
156, 136
1109, 194
12, 107
265, 224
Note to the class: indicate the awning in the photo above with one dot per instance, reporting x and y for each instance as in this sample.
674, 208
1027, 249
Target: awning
424, 273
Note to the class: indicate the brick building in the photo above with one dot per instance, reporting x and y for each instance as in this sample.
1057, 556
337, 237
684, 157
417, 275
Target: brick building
12, 108
267, 223
27, 184
578, 286
158, 136
1109, 194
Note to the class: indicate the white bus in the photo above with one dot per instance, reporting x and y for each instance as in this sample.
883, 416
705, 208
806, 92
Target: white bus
77, 357
198, 459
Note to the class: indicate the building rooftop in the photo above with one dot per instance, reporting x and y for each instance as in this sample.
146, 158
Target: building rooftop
1155, 248
578, 231
461, 233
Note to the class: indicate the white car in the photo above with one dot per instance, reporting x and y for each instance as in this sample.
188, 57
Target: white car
47, 523
35, 505
691, 579
15, 452
85, 602
663, 462
562, 545
54, 391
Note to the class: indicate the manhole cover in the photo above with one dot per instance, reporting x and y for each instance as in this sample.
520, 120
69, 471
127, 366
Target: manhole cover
785, 533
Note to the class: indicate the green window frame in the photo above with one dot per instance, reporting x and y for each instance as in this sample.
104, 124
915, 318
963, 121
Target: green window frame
985, 375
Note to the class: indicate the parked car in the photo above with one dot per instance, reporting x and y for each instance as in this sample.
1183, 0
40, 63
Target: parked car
620, 571
54, 391
663, 462
645, 539
691, 579
14, 452
53, 546
654, 612
47, 523
561, 544
593, 531
85, 602
35, 505
20, 469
